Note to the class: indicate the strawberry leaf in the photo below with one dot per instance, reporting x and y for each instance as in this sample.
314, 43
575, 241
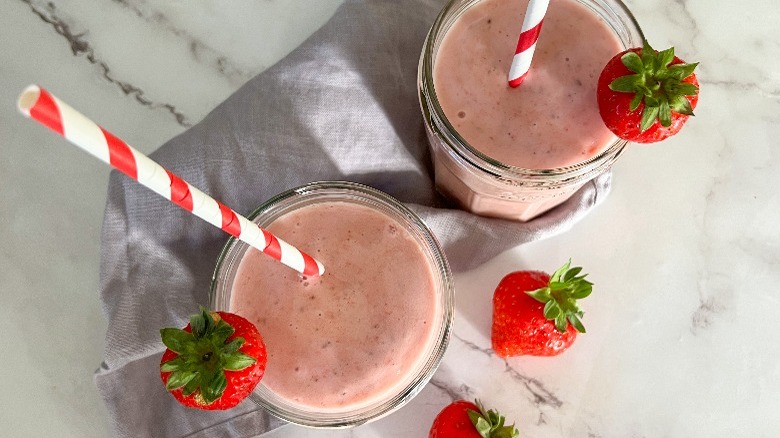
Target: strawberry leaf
208, 319
664, 58
542, 295
221, 332
490, 424
215, 387
649, 116
233, 346
576, 323
483, 427
582, 290
506, 432
571, 273
687, 89
557, 285
237, 361
682, 71
474, 416
556, 277
173, 364
626, 84
190, 387
665, 113
635, 102
176, 339
648, 57
495, 419
551, 310
198, 325
652, 102
681, 105
179, 378
633, 62
561, 323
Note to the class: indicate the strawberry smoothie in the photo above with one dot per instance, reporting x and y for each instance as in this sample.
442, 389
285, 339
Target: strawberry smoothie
356, 335
515, 153
552, 119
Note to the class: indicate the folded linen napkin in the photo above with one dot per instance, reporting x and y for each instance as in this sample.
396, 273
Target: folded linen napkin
343, 106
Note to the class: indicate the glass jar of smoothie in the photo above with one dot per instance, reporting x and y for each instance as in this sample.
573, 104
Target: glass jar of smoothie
363, 339
515, 153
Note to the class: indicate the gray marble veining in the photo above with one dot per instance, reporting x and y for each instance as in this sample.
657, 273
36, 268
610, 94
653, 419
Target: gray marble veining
81, 47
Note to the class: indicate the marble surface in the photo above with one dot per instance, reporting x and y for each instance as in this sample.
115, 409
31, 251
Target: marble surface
685, 253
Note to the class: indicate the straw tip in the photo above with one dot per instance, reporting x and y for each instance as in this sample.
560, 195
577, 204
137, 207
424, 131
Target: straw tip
315, 269
514, 83
27, 99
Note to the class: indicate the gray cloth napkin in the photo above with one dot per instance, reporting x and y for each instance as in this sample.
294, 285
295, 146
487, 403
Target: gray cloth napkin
343, 106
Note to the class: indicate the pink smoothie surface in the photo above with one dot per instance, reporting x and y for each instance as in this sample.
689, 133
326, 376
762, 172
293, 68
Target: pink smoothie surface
354, 335
549, 121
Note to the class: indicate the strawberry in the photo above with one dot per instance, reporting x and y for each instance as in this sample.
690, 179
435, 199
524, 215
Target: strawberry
463, 419
646, 96
537, 314
214, 362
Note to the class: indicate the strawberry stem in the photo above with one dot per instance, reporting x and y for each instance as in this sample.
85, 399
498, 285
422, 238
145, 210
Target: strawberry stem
560, 297
203, 356
657, 84
490, 424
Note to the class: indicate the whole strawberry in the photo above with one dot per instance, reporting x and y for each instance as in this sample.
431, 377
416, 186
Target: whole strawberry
537, 314
464, 419
646, 96
214, 362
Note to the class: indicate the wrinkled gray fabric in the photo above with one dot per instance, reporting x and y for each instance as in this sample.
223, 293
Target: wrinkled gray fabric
342, 106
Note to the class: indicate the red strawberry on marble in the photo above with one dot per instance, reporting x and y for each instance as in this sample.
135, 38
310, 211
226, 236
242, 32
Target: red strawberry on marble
214, 362
464, 419
537, 314
646, 96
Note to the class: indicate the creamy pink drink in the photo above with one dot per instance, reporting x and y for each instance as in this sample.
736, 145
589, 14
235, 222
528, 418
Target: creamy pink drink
499, 150
552, 119
355, 335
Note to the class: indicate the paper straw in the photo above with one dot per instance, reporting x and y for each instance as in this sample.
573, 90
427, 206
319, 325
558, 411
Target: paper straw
39, 105
526, 43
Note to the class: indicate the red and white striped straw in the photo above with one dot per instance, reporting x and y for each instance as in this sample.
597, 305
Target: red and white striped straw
526, 44
39, 105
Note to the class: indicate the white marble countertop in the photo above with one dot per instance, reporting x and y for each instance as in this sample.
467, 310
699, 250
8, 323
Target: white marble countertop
685, 253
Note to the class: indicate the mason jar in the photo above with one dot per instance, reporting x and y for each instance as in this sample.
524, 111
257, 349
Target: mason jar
363, 339
482, 184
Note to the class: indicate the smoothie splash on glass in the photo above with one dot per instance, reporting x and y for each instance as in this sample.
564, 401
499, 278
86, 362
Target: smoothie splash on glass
363, 339
517, 152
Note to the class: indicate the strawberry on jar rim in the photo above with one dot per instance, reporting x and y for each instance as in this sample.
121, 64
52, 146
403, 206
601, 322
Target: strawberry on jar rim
646, 96
215, 362
464, 419
537, 314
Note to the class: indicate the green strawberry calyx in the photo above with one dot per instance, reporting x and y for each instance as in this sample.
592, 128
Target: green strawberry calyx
656, 83
204, 356
560, 297
490, 424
